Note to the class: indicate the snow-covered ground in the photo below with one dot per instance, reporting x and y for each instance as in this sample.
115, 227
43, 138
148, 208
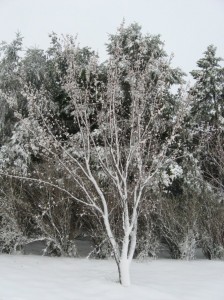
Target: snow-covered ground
40, 278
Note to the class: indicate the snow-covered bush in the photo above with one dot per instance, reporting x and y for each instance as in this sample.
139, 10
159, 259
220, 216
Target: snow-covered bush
212, 248
11, 237
189, 244
53, 248
147, 246
57, 217
101, 248
179, 225
13, 226
148, 238
212, 228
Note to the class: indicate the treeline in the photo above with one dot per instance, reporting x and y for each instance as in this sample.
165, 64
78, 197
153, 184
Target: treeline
75, 133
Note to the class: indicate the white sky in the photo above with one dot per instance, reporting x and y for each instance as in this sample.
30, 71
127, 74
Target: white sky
186, 26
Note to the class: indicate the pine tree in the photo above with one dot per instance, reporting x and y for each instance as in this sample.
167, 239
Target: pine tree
205, 129
208, 90
9, 83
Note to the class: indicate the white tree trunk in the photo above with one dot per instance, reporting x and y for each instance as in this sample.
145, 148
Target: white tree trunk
124, 272
124, 262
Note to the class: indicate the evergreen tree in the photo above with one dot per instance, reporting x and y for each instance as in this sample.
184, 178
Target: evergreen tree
149, 52
9, 83
208, 90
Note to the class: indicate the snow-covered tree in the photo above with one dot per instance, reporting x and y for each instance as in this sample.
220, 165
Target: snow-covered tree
207, 116
204, 129
208, 89
9, 82
112, 158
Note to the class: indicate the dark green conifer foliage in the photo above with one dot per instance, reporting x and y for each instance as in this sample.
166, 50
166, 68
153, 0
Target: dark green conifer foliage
208, 91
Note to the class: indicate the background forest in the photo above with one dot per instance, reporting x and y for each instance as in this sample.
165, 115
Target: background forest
121, 151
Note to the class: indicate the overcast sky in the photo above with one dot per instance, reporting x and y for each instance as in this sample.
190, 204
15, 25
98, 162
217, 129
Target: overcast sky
186, 26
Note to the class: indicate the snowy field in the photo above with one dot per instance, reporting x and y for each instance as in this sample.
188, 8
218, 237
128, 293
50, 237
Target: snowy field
45, 278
